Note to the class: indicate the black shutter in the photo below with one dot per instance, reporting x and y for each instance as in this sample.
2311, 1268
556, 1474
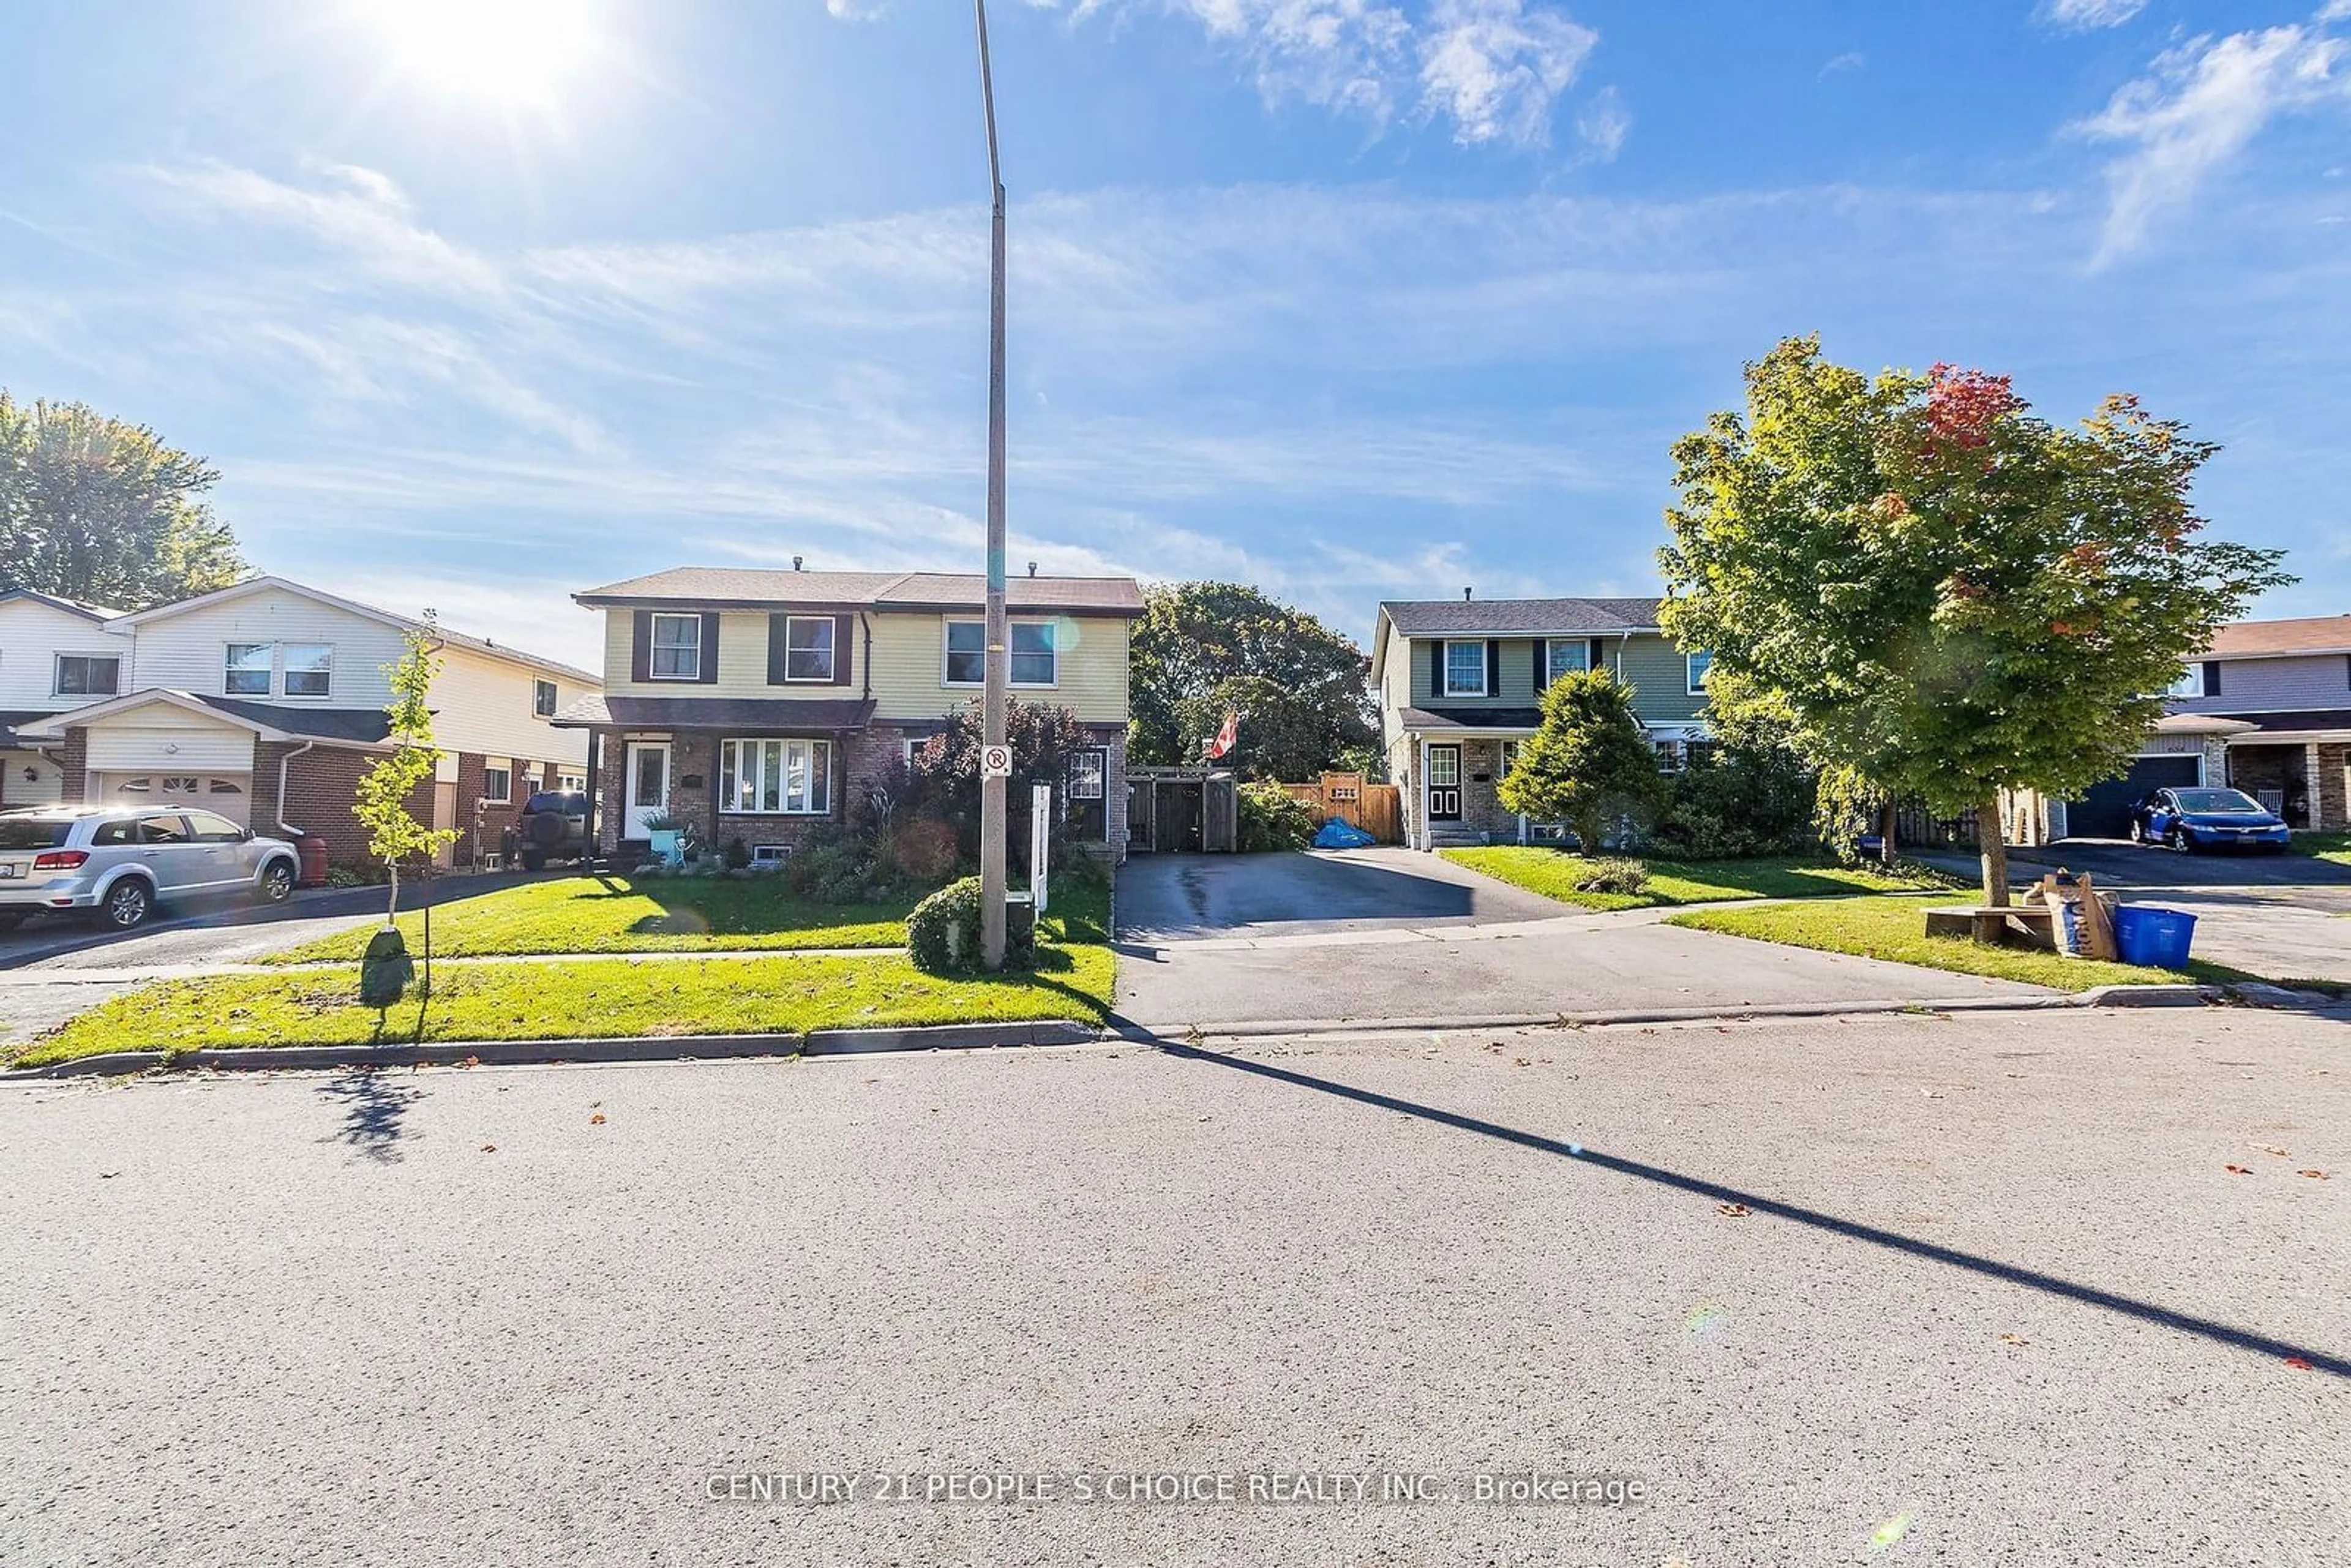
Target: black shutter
1493, 667
2212, 678
641, 646
709, 675
1437, 671
844, 630
1542, 665
778, 643
1595, 654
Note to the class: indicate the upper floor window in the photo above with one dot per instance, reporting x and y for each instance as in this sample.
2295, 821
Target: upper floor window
1034, 660
251, 668
309, 669
1465, 669
966, 662
676, 648
1565, 655
89, 675
807, 647
1699, 665
542, 699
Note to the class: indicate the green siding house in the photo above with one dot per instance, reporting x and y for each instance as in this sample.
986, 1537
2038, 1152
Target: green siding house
1459, 682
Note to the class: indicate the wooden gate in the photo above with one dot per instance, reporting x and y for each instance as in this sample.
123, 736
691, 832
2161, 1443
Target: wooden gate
1377, 809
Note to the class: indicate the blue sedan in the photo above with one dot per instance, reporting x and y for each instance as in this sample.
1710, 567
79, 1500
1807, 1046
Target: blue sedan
2192, 820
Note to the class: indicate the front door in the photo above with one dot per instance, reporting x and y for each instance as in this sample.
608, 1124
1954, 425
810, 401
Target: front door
648, 785
1444, 783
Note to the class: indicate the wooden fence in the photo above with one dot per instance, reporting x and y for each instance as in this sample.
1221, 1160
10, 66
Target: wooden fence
1915, 826
1377, 809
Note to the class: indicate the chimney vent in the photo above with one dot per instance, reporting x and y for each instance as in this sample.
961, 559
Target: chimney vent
1465, 596
1032, 568
795, 564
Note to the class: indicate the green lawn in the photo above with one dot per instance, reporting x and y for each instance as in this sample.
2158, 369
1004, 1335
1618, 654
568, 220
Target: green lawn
619, 914
1895, 928
1554, 872
2336, 847
584, 998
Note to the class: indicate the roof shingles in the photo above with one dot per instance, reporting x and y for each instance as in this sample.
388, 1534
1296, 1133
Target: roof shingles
1439, 617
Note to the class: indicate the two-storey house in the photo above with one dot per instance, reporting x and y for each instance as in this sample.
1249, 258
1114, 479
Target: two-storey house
760, 705
264, 702
2265, 709
1461, 682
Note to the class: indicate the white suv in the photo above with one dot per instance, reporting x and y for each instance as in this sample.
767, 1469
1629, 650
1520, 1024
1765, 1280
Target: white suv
118, 862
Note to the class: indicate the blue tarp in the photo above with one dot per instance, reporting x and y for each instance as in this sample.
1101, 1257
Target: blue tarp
1337, 834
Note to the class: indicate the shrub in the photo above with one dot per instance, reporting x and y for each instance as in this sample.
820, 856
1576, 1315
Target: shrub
943, 932
828, 868
1273, 818
738, 855
1608, 873
1735, 801
924, 849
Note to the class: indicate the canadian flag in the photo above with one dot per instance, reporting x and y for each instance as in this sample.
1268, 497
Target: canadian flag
1214, 750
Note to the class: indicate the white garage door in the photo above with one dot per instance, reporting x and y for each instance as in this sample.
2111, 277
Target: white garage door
230, 794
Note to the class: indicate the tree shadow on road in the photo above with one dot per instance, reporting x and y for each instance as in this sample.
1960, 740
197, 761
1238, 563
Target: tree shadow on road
373, 1114
1756, 1203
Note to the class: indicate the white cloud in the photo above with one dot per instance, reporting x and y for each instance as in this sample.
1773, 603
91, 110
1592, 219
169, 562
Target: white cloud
1850, 61
1604, 123
856, 10
1491, 71
2195, 111
2086, 16
1496, 67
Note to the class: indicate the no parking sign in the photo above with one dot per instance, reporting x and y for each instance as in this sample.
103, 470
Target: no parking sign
996, 762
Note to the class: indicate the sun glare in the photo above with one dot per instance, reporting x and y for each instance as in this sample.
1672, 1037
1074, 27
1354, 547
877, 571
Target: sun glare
511, 51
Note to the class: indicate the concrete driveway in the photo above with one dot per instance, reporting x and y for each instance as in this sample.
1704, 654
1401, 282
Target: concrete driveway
2118, 863
1390, 935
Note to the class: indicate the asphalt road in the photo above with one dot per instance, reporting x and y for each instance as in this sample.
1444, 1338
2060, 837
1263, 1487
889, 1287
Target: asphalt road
1388, 935
1995, 1298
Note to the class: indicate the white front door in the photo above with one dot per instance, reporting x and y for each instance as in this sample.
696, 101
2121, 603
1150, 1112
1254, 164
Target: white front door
648, 785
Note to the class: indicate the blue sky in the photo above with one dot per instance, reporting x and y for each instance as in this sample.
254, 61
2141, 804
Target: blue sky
1348, 298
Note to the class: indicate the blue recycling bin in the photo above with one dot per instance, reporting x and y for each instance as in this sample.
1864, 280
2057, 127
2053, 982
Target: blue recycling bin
2156, 938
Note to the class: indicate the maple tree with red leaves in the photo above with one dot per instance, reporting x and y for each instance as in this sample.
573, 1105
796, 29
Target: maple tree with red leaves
1939, 591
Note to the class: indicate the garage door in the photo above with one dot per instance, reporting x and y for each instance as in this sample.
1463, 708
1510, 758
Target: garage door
230, 794
2105, 811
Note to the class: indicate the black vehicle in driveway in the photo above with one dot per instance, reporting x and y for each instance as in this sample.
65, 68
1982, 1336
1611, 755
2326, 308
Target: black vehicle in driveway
2206, 819
553, 827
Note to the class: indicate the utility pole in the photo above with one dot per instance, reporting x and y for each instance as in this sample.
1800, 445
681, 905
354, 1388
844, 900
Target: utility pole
996, 661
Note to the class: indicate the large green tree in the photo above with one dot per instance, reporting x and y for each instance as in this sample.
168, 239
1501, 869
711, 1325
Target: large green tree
94, 509
1205, 649
1939, 591
1590, 764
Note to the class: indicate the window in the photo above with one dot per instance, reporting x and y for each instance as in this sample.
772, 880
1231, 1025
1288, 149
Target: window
497, 785
1087, 770
89, 675
572, 783
180, 784
1084, 809
211, 829
542, 699
967, 652
775, 778
1034, 661
677, 648
309, 669
808, 648
162, 829
1698, 665
249, 669
1444, 767
1465, 669
1509, 760
113, 835
1565, 654
226, 786
1670, 755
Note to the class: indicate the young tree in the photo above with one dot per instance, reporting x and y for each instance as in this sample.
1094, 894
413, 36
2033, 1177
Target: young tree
393, 833
92, 508
1205, 649
1590, 764
1941, 592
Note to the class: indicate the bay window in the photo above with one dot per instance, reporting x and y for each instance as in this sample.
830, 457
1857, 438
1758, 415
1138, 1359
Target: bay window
775, 778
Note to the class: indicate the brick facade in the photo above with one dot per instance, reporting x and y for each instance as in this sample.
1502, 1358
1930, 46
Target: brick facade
2332, 790
321, 789
75, 760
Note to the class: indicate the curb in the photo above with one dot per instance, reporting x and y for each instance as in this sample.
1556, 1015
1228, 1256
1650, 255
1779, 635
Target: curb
538, 1052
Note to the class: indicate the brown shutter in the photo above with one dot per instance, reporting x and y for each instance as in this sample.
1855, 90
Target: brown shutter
1493, 667
778, 644
844, 632
641, 646
709, 676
